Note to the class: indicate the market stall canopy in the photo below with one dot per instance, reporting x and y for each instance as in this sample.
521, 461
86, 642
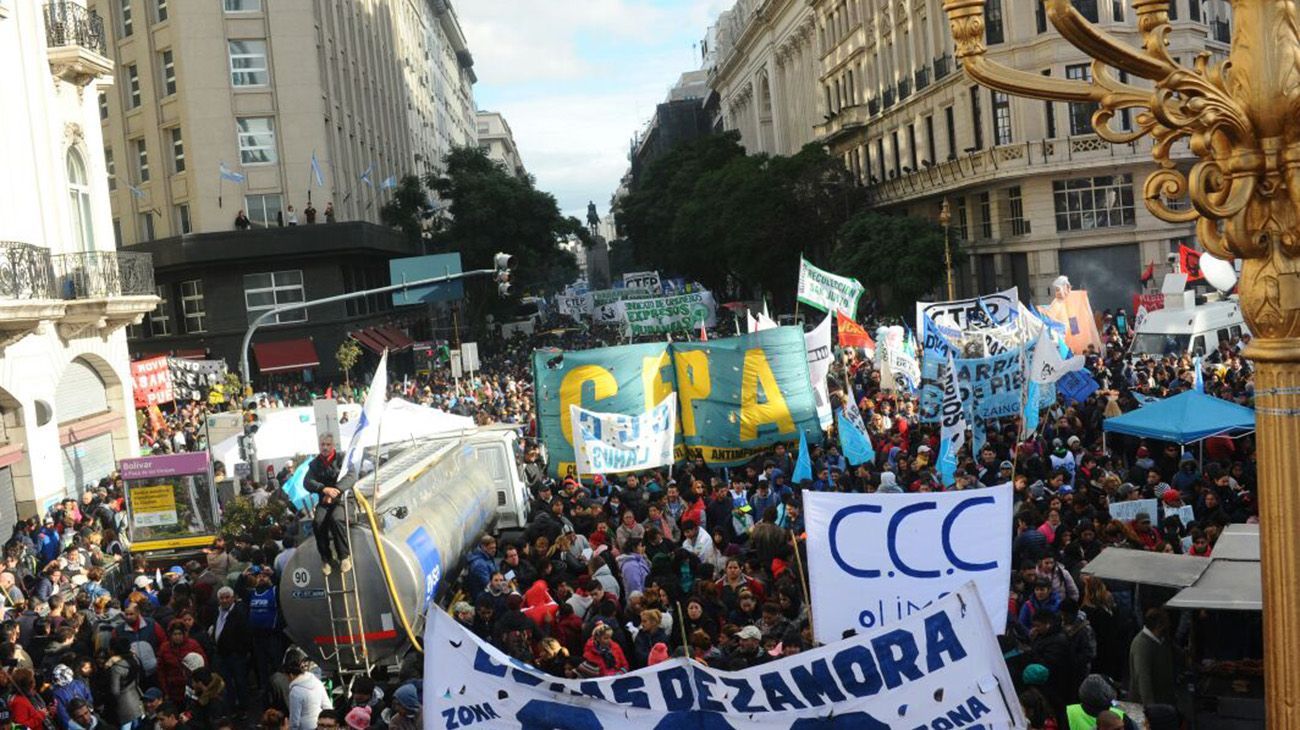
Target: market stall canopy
1228, 581
1184, 418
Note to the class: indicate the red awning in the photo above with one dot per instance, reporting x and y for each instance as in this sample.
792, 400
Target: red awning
286, 355
397, 337
191, 354
367, 338
383, 338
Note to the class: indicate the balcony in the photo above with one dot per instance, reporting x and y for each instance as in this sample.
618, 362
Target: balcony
922, 78
942, 66
845, 121
27, 297
888, 98
873, 106
76, 43
904, 89
104, 290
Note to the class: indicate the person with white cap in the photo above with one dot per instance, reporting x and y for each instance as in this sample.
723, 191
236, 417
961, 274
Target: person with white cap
748, 650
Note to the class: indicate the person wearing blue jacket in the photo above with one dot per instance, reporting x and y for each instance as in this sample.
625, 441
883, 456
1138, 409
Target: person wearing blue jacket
1043, 599
480, 566
66, 689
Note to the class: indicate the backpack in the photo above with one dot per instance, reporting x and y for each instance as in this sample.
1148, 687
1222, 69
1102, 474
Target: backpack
143, 653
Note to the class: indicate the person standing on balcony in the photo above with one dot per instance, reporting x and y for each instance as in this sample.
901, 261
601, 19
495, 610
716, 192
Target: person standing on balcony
242, 222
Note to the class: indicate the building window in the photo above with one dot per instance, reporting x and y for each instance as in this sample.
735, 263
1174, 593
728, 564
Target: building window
1173, 9
986, 215
898, 161
976, 118
103, 106
272, 289
1040, 16
117, 232
128, 27
141, 161
243, 6
929, 139
83, 228
161, 9
993, 22
263, 210
1049, 113
911, 146
248, 63
951, 123
160, 320
110, 167
133, 84
168, 67
1117, 10
963, 230
256, 140
1194, 10
178, 150
145, 222
192, 308
1018, 224
183, 224
1001, 118
1086, 8
880, 157
1085, 203
1080, 112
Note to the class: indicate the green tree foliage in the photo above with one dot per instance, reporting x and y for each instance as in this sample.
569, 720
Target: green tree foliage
404, 210
899, 259
347, 355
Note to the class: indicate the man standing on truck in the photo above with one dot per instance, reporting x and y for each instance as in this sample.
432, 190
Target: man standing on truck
328, 523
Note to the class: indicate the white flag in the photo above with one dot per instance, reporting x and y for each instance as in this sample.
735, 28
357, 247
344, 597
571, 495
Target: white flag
371, 412
952, 433
1047, 365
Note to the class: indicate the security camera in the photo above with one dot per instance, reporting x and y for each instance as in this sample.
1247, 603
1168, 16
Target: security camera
1171, 257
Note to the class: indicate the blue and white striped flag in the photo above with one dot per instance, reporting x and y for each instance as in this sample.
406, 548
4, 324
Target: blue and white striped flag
315, 171
371, 412
389, 183
366, 176
135, 192
231, 175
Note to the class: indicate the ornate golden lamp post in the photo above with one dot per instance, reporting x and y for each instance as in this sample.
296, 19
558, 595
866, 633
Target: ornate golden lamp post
945, 217
1242, 119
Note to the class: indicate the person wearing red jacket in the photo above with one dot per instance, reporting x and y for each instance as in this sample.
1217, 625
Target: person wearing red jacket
26, 708
603, 653
171, 661
539, 605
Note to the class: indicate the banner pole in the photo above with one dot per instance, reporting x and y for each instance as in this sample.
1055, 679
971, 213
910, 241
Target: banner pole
681, 621
803, 579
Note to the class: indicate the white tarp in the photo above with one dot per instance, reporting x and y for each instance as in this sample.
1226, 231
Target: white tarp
940, 667
611, 443
820, 356
875, 559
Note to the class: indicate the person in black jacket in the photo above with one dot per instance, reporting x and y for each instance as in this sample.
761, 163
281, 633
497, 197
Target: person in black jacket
328, 524
232, 637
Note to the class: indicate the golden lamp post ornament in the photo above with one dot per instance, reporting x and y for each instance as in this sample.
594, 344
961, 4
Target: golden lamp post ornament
1241, 117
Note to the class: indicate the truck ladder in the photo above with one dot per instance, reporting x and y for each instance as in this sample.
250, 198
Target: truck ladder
348, 652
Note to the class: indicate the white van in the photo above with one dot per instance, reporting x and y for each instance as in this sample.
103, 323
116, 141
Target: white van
1191, 330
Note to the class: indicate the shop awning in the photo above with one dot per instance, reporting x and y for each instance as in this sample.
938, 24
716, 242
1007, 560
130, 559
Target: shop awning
382, 338
198, 354
285, 355
397, 337
367, 338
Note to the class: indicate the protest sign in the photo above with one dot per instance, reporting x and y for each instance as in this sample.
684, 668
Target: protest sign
610, 443
826, 291
1185, 513
1073, 311
648, 280
990, 388
1077, 386
151, 381
660, 315
1151, 302
572, 305
1128, 510
192, 379
941, 667
960, 313
820, 355
875, 559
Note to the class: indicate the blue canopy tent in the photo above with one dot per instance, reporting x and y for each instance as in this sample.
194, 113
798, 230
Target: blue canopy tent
1185, 418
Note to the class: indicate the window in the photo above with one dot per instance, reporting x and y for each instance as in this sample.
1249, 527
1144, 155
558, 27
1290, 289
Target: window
117, 232
103, 106
483, 129
263, 210
127, 25
911, 146
133, 84
993, 22
256, 140
160, 320
976, 118
963, 231
1194, 10
1040, 16
161, 10
898, 162
168, 66
1001, 118
79, 195
1049, 113
880, 157
986, 215
1086, 203
1125, 116
243, 6
192, 309
1173, 9
1117, 10
141, 161
145, 222
183, 224
1086, 8
1080, 112
178, 150
1016, 212
951, 123
929, 139
110, 167
272, 289
248, 63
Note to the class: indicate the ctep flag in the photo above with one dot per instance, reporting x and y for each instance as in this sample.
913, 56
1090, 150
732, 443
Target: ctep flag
371, 412
1048, 365
851, 334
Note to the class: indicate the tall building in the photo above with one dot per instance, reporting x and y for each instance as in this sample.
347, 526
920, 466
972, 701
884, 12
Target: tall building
687, 113
66, 404
256, 105
498, 141
766, 74
1033, 191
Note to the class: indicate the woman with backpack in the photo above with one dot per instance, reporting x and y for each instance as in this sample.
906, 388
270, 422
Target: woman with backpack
124, 706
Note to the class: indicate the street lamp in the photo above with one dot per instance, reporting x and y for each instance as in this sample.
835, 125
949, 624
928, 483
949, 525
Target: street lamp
945, 217
1242, 119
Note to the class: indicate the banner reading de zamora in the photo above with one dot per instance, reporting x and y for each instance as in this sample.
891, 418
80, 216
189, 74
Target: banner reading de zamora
826, 291
940, 667
660, 315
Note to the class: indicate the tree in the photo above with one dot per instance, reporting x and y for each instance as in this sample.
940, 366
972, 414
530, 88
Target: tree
899, 258
347, 355
407, 207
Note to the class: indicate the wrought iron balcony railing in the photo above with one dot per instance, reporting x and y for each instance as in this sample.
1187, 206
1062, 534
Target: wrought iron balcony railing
904, 88
942, 66
25, 272
873, 106
98, 274
889, 97
72, 24
922, 77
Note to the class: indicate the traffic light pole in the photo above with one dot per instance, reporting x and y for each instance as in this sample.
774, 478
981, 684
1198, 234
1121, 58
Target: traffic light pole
268, 314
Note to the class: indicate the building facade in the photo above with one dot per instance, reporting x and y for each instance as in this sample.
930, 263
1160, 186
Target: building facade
259, 105
766, 74
66, 403
686, 114
1033, 191
497, 140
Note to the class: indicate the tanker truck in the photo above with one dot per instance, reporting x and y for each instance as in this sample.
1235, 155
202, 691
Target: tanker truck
436, 497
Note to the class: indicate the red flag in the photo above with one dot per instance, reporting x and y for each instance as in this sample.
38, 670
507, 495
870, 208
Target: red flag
1150, 272
329, 392
704, 334
1190, 263
851, 333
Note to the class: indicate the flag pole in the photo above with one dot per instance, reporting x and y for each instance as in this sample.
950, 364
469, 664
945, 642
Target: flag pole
379, 429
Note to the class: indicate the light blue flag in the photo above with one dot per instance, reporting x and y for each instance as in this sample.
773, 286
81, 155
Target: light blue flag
803, 465
1064, 348
855, 444
228, 174
389, 183
1031, 408
977, 435
136, 192
296, 492
316, 172
1198, 384
366, 176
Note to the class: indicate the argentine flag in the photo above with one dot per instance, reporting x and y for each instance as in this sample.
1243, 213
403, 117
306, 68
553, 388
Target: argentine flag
371, 412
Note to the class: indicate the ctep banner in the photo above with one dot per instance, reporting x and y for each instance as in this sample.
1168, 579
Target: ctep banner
939, 667
826, 291
648, 280
876, 560
151, 380
611, 443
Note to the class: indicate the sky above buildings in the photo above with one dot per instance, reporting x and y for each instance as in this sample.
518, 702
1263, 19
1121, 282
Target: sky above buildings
576, 80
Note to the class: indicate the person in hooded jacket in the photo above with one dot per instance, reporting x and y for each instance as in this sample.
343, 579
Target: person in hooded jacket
66, 689
634, 565
124, 678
